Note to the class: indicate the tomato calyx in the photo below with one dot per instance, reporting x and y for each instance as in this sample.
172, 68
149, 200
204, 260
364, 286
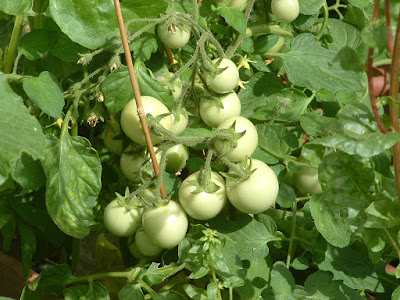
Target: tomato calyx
129, 200
229, 137
238, 172
203, 183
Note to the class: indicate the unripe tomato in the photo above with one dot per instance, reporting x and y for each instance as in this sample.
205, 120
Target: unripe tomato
213, 115
179, 126
306, 180
202, 206
285, 10
165, 225
246, 145
174, 37
121, 221
130, 121
225, 81
176, 158
257, 193
113, 145
145, 245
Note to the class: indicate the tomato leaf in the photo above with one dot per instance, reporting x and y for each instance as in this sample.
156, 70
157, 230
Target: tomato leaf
46, 93
310, 7
28, 247
350, 266
131, 292
155, 275
52, 280
92, 23
234, 17
95, 290
28, 172
19, 130
282, 283
73, 171
309, 65
20, 7
34, 44
320, 285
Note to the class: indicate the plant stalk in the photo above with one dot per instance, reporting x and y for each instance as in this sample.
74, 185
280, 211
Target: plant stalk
136, 91
12, 47
394, 108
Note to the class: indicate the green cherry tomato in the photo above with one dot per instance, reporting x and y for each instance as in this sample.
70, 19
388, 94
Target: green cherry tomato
121, 221
225, 81
246, 145
257, 193
213, 115
175, 87
174, 37
202, 206
165, 225
179, 126
145, 245
130, 122
285, 10
306, 180
137, 167
176, 158
113, 145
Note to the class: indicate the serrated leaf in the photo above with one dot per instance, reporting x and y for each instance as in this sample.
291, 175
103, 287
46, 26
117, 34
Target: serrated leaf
19, 130
73, 171
91, 23
310, 65
28, 247
343, 35
67, 50
46, 93
155, 275
286, 196
20, 7
316, 125
332, 229
95, 290
246, 238
118, 91
276, 140
234, 17
256, 93
144, 46
320, 286
195, 292
35, 43
382, 214
310, 7
350, 266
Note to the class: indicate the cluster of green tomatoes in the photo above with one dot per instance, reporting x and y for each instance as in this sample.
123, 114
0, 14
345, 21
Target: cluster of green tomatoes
249, 185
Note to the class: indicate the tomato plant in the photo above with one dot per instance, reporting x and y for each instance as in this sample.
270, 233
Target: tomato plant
130, 121
290, 192
213, 113
120, 220
173, 36
255, 194
202, 205
165, 225
244, 146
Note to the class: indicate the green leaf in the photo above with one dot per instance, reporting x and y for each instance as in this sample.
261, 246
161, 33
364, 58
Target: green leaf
5, 213
350, 266
343, 35
332, 229
131, 292
53, 280
171, 295
155, 275
315, 124
320, 286
28, 172
246, 238
95, 290
396, 294
19, 130
73, 171
382, 214
256, 277
19, 7
286, 196
28, 247
282, 283
118, 91
144, 46
67, 50
276, 140
256, 93
34, 44
286, 106
310, 65
195, 292
355, 132
46, 93
359, 3
234, 17
92, 23
310, 7
145, 8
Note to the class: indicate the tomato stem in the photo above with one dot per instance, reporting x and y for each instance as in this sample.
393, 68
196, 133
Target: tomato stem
292, 234
12, 47
325, 22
